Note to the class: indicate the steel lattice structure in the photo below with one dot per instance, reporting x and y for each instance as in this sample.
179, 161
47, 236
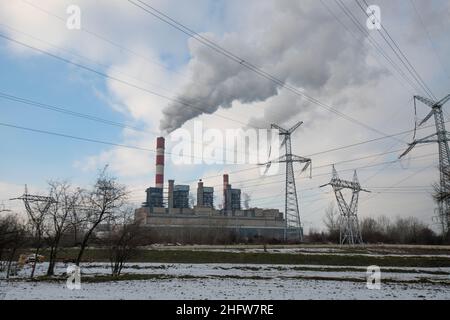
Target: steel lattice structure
28, 199
441, 137
349, 231
293, 227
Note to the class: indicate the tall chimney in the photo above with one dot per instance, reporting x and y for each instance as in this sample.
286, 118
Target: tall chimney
159, 173
225, 188
200, 193
170, 196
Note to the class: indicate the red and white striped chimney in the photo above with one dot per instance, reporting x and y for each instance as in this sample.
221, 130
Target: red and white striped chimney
159, 173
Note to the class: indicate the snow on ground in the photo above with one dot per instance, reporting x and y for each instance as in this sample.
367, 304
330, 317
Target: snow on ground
328, 251
247, 289
250, 270
218, 281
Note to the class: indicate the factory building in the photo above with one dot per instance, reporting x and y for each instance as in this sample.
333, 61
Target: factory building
205, 195
181, 196
231, 197
155, 198
178, 218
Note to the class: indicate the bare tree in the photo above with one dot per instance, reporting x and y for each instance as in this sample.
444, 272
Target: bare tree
122, 239
331, 219
18, 238
66, 202
12, 237
106, 198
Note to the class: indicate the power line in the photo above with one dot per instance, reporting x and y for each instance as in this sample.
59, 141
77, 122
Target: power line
322, 152
433, 46
403, 180
63, 135
400, 55
102, 74
54, 108
374, 43
152, 150
212, 45
104, 39
197, 101
241, 185
58, 109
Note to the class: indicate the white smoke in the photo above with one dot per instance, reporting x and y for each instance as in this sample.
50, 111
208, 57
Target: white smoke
296, 41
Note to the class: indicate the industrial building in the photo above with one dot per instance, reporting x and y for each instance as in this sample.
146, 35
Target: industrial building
205, 195
177, 217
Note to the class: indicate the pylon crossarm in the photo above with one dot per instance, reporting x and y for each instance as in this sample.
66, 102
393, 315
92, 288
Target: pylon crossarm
276, 160
299, 159
444, 100
298, 124
413, 144
307, 165
429, 115
342, 184
426, 101
275, 126
426, 139
288, 158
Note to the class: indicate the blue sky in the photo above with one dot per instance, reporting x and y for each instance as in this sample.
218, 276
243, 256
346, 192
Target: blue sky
300, 42
29, 156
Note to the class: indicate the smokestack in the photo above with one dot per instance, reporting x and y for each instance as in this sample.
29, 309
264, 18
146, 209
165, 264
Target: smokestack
159, 173
200, 193
225, 188
170, 196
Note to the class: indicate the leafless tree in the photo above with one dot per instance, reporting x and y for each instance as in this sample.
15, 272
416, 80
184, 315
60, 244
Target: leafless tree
122, 239
106, 198
12, 237
331, 217
66, 202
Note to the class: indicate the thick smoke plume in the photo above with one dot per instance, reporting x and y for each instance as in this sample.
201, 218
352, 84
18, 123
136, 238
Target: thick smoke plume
298, 42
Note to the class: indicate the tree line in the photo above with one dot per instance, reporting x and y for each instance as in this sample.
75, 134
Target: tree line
72, 216
383, 229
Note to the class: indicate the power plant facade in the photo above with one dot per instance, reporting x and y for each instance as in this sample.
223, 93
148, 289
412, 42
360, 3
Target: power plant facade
180, 216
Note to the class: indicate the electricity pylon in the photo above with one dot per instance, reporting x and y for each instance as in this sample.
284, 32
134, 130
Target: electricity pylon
3, 208
441, 137
28, 199
37, 208
349, 231
293, 228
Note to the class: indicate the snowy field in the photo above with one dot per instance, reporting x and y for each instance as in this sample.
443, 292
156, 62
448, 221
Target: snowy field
234, 281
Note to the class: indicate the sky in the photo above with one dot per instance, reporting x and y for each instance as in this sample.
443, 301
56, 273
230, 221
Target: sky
132, 70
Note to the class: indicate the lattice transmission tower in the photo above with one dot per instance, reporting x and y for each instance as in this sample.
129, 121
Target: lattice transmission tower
441, 136
33, 213
293, 227
349, 231
37, 208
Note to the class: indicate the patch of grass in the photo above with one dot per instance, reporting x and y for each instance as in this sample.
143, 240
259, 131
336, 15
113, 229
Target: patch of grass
221, 257
147, 277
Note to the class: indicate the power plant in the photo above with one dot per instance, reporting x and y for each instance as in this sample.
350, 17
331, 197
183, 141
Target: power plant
175, 215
